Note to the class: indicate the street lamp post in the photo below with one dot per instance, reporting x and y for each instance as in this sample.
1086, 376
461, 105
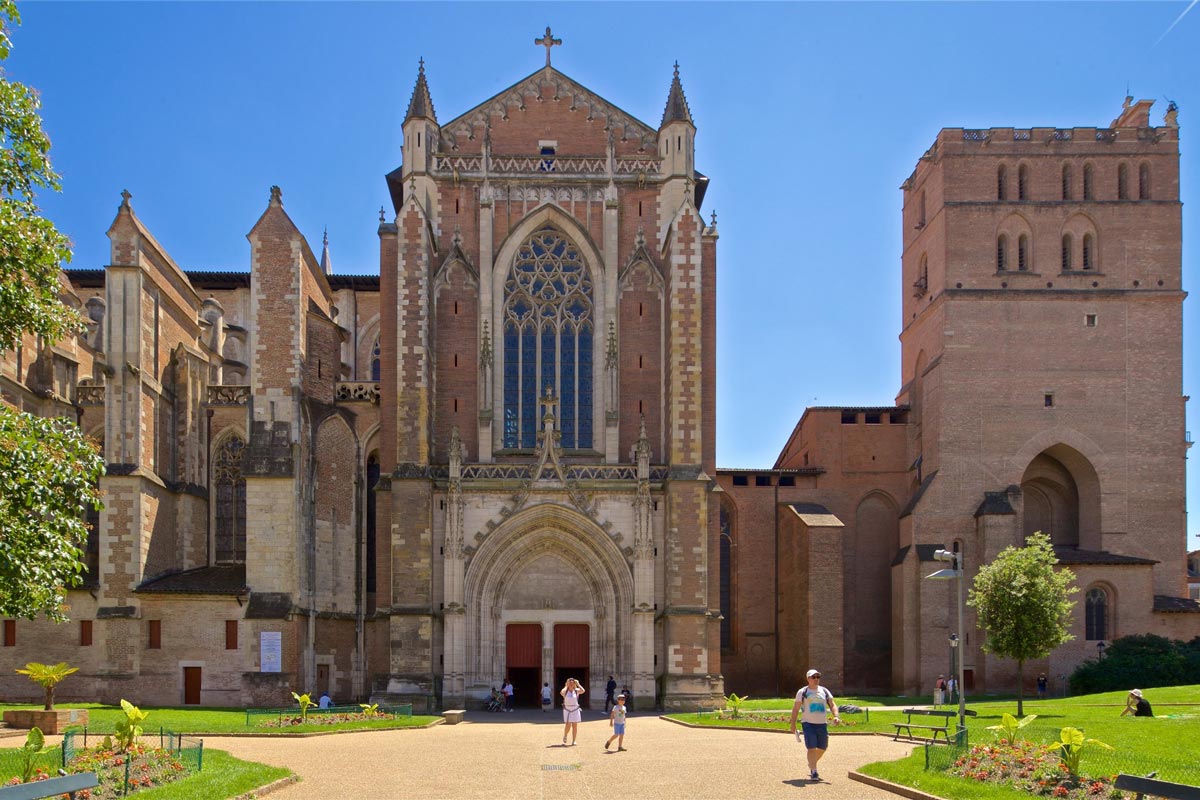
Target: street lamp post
954, 661
955, 572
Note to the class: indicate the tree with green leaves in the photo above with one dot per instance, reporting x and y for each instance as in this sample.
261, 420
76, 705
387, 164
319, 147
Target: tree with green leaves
48, 470
1023, 605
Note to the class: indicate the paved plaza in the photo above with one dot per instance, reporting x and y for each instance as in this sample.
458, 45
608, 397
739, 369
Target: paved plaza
520, 755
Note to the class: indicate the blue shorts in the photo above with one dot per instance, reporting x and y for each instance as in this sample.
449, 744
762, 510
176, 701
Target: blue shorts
816, 737
618, 729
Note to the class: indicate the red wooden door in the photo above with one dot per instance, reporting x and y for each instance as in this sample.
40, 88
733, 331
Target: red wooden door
191, 686
571, 657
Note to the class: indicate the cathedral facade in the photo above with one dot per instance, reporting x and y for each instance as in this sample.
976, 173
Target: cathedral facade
496, 457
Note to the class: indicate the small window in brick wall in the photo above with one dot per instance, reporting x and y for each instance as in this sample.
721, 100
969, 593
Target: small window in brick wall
787, 480
155, 642
231, 634
10, 633
762, 480
849, 418
1048, 400
738, 480
1089, 320
85, 633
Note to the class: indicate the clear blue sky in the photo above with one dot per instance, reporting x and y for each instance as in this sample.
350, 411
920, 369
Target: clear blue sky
809, 117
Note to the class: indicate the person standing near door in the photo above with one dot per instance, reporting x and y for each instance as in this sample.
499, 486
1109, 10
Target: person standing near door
508, 695
610, 691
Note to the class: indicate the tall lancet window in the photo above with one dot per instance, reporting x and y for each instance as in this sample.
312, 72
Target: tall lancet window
548, 329
230, 486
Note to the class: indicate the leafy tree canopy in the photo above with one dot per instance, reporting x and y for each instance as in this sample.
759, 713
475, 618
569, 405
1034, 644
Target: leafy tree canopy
1023, 603
48, 470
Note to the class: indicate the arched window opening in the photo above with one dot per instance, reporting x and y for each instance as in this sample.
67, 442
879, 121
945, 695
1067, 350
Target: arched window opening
726, 578
1089, 257
1001, 253
1144, 182
1022, 253
1022, 182
1001, 183
375, 360
1066, 252
372, 481
230, 486
548, 329
1096, 615
1066, 182
1088, 174
1122, 182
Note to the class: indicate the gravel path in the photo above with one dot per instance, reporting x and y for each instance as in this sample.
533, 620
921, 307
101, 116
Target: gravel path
520, 755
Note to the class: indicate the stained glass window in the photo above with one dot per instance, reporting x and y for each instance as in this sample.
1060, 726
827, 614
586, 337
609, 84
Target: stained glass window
548, 327
230, 490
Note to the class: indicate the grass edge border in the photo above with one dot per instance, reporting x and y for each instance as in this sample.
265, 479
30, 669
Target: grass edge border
895, 788
268, 788
669, 718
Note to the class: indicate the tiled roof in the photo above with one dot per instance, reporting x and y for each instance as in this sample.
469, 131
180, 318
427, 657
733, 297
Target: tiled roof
1073, 555
219, 579
1179, 605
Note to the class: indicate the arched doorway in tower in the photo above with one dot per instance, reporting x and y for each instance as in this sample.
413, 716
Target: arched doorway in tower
1061, 498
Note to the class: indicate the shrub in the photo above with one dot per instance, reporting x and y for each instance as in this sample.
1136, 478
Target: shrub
306, 702
1145, 660
35, 742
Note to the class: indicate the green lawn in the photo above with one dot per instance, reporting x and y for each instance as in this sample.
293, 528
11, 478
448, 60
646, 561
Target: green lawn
201, 721
1164, 744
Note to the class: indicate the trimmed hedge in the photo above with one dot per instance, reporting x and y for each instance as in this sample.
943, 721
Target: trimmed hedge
1142, 661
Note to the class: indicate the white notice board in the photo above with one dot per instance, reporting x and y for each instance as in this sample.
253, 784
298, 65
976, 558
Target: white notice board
270, 651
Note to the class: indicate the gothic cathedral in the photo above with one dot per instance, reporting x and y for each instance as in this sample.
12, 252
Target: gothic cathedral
496, 456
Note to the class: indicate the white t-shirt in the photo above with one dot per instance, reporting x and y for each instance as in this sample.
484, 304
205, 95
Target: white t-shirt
571, 700
814, 705
545, 694
324, 701
508, 689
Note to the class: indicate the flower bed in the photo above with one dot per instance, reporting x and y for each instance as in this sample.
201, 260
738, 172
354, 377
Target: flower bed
143, 766
323, 719
1032, 768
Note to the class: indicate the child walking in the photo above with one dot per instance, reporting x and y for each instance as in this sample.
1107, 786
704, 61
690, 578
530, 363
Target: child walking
616, 720
545, 697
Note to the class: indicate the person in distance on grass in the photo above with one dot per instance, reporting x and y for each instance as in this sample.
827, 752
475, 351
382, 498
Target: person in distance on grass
1041, 686
1137, 705
324, 702
816, 702
616, 721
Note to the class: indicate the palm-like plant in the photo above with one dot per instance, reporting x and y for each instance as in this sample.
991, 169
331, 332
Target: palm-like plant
47, 676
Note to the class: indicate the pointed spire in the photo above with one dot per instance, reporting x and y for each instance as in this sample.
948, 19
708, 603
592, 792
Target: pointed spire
421, 104
276, 197
125, 195
326, 265
677, 106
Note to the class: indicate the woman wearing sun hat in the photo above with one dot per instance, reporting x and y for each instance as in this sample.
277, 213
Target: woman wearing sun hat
1137, 705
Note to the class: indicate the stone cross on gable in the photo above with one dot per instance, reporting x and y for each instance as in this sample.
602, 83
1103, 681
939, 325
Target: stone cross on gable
547, 42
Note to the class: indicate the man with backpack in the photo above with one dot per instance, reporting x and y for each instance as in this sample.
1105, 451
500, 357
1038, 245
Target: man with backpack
816, 702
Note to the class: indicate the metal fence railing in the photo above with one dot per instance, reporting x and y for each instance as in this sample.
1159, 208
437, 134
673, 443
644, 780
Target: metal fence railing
258, 716
155, 759
1094, 762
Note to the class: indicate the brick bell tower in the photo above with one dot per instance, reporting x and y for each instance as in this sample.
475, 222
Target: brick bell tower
1042, 362
496, 533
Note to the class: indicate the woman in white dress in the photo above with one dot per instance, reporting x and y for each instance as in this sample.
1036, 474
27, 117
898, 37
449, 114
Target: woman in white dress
572, 715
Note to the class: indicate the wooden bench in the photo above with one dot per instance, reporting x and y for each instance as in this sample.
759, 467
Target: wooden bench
1149, 787
51, 787
909, 725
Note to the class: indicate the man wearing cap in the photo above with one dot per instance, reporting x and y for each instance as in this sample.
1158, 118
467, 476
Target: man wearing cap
816, 702
1137, 705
